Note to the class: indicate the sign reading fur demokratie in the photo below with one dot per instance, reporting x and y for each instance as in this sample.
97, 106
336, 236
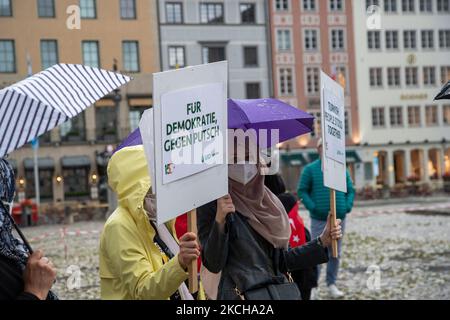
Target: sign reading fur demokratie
185, 138
191, 123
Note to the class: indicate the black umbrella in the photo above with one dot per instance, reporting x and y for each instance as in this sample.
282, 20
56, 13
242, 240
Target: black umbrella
445, 93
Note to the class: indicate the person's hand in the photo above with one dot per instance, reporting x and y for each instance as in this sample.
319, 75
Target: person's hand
39, 275
189, 249
329, 233
225, 206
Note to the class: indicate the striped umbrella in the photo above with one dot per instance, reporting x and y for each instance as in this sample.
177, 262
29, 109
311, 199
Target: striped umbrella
47, 99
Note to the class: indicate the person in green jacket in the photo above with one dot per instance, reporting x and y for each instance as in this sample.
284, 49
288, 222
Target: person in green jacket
316, 198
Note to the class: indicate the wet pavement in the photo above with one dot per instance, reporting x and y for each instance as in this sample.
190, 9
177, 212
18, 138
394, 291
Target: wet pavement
387, 254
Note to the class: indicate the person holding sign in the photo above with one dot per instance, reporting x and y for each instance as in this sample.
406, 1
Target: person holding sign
316, 198
138, 259
245, 236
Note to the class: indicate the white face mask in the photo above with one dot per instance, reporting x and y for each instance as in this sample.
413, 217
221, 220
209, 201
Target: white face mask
242, 173
150, 206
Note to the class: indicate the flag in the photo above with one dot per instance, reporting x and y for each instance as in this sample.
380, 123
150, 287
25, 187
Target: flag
298, 236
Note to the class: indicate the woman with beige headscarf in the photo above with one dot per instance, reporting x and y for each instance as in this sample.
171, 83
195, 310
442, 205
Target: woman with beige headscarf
244, 238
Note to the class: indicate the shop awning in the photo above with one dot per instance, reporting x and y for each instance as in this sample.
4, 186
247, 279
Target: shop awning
43, 163
352, 156
313, 156
75, 162
293, 159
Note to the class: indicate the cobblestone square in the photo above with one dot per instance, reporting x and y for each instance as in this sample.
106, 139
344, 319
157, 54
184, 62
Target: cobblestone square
409, 252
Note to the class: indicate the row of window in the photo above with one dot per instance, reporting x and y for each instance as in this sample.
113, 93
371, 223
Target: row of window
74, 130
414, 116
390, 6
212, 53
49, 55
76, 182
411, 76
310, 5
217, 52
410, 42
210, 12
88, 8
286, 85
311, 39
411, 6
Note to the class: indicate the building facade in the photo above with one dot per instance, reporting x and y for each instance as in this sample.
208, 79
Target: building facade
193, 32
309, 36
401, 66
113, 34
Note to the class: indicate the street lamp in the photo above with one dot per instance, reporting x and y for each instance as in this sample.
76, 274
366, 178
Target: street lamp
94, 178
103, 159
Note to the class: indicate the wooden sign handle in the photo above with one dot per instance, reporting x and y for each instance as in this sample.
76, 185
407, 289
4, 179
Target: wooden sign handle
192, 268
334, 243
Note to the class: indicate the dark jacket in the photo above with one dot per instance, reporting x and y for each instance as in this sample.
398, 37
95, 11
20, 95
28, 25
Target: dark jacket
316, 197
11, 282
246, 260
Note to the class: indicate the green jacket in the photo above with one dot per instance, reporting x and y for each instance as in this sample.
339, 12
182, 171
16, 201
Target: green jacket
316, 197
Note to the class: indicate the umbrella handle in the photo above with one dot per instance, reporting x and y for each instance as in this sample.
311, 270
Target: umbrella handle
22, 236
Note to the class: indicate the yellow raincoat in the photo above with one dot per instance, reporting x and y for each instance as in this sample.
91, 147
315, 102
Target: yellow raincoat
131, 265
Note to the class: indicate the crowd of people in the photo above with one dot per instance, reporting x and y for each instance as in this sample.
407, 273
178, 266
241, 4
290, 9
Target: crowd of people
243, 247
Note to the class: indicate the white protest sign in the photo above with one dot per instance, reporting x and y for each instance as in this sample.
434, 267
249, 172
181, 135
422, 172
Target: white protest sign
147, 134
185, 138
332, 104
188, 133
333, 123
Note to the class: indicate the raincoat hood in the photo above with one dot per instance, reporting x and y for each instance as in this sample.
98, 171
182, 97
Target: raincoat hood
128, 177
131, 266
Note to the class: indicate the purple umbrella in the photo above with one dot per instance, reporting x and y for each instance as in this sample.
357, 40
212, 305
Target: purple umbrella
269, 114
134, 139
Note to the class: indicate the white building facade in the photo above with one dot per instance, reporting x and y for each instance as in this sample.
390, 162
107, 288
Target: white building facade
402, 61
193, 32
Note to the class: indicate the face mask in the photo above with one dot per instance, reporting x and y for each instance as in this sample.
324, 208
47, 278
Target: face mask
242, 173
150, 206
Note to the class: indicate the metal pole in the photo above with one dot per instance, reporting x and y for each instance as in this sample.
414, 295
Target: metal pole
117, 99
36, 174
35, 145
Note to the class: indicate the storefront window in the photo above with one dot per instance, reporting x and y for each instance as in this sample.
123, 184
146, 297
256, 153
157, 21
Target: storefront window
105, 118
135, 117
76, 182
447, 162
45, 184
368, 171
416, 164
434, 164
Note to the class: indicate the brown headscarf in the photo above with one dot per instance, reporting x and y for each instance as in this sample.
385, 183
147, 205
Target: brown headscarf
265, 212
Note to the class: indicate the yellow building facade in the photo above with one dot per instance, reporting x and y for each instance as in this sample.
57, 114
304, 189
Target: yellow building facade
110, 34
